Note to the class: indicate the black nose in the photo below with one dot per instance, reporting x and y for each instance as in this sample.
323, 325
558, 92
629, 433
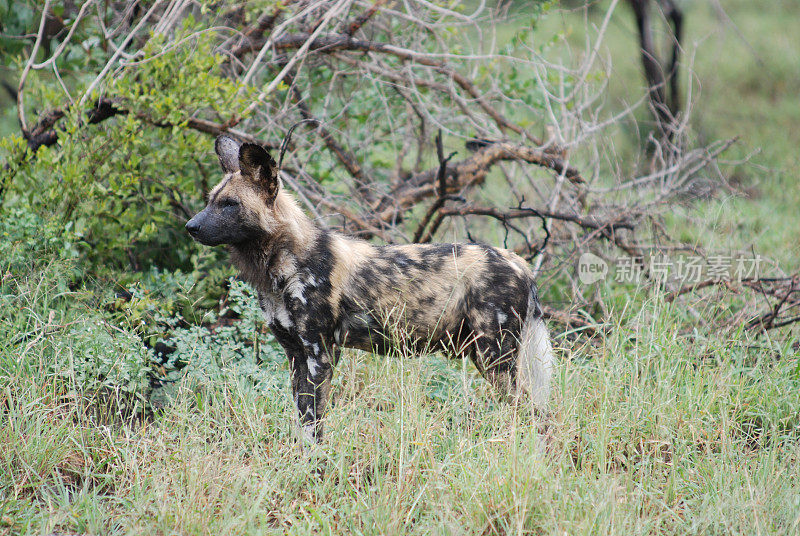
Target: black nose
192, 227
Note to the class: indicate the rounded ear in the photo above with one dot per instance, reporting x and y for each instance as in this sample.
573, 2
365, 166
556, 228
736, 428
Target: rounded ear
256, 164
228, 153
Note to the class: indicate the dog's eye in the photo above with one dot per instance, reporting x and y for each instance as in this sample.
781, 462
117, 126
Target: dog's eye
229, 202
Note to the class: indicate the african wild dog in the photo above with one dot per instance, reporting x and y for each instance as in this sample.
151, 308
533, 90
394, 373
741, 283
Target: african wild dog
321, 291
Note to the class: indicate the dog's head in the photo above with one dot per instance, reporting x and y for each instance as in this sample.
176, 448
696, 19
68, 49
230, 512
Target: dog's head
241, 207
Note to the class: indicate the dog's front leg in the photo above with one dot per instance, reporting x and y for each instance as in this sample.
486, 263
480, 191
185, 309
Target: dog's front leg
312, 371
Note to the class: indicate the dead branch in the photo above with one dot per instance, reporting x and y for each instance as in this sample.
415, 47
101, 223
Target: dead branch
345, 157
771, 319
441, 179
264, 24
572, 321
362, 19
44, 132
782, 294
334, 42
469, 172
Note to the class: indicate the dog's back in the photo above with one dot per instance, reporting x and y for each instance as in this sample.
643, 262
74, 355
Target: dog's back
428, 295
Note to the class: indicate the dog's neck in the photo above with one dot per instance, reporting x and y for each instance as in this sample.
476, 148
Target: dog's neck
278, 252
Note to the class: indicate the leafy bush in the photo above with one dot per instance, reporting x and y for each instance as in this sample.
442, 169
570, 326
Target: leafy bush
239, 351
125, 188
56, 326
122, 193
28, 240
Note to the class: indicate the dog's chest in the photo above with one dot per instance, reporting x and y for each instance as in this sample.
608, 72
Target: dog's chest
293, 302
275, 310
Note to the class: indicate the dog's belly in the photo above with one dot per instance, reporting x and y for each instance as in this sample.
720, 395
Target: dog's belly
404, 334
364, 334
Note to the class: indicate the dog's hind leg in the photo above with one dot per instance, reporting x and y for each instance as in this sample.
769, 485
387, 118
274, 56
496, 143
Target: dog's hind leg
495, 359
519, 360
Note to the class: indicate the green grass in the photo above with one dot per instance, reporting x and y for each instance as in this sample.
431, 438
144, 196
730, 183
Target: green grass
652, 432
655, 430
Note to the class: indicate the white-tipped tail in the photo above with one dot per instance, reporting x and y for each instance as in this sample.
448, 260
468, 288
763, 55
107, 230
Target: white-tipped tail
535, 361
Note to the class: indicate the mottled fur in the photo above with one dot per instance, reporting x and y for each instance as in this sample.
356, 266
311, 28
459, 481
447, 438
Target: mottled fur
320, 290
